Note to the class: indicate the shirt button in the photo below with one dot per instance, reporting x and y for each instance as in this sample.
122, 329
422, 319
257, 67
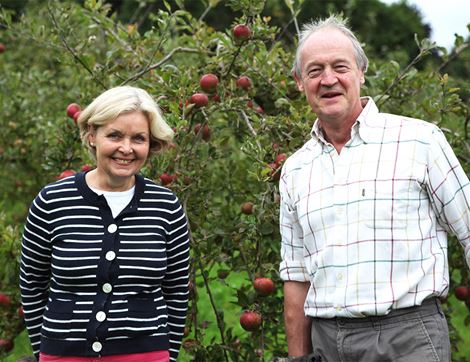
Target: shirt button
97, 346
110, 255
339, 276
112, 228
339, 308
107, 288
100, 316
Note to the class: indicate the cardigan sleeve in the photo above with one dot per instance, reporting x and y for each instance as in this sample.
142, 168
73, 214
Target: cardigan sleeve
175, 284
35, 267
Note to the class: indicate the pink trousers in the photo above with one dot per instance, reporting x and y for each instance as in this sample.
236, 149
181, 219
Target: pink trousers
157, 356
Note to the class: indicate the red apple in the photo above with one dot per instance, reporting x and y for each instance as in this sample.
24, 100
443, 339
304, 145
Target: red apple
264, 286
259, 110
243, 82
166, 178
462, 292
6, 345
20, 312
76, 115
216, 98
206, 131
247, 208
241, 31
250, 320
280, 158
209, 82
86, 168
2, 47
5, 300
65, 173
73, 108
199, 100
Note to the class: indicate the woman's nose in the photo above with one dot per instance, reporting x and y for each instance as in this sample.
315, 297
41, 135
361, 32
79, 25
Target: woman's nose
126, 146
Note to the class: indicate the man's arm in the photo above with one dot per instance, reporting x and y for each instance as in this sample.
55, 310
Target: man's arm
296, 323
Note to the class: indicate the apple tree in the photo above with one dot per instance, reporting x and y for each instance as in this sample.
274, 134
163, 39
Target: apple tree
237, 115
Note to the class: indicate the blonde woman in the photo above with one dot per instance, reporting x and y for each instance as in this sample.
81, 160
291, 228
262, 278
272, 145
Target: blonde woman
105, 253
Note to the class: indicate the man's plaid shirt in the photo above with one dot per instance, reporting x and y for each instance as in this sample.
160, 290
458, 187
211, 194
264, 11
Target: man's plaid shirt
368, 227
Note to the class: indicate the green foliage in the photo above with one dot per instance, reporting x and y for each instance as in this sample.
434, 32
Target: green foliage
59, 53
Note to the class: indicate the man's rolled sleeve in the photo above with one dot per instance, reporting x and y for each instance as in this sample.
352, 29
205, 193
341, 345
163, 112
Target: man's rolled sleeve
292, 267
450, 190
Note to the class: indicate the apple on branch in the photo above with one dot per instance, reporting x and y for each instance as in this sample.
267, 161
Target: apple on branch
199, 100
250, 320
241, 32
209, 82
243, 82
264, 286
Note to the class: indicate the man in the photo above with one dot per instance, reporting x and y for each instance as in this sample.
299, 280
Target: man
366, 205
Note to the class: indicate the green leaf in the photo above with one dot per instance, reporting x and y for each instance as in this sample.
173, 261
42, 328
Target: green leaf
266, 228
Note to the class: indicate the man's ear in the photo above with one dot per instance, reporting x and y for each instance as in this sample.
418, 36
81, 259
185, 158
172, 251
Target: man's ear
298, 80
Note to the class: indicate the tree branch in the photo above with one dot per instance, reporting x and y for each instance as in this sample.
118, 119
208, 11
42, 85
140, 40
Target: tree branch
220, 322
250, 127
159, 63
454, 55
70, 50
399, 77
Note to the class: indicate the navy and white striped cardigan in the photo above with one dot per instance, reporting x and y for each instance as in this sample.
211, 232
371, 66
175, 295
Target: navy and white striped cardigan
92, 285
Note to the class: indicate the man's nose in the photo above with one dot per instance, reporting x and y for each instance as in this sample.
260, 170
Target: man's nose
328, 77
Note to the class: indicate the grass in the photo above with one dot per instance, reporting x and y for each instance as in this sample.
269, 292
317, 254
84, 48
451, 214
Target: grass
459, 309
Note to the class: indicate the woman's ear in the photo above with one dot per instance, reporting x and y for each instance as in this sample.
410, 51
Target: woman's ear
91, 137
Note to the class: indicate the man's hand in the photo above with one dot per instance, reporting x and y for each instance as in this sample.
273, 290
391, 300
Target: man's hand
298, 326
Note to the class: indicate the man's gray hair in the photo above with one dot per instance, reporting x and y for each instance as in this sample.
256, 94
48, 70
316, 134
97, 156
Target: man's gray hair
336, 22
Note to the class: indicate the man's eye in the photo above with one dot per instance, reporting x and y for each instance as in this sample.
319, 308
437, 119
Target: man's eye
313, 72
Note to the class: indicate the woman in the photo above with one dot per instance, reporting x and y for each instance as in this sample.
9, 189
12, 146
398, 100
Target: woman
104, 265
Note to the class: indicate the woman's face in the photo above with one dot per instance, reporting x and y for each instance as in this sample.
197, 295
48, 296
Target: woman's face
122, 147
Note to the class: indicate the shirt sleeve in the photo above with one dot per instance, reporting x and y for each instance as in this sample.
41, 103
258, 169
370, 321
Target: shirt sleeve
35, 268
449, 190
175, 284
292, 267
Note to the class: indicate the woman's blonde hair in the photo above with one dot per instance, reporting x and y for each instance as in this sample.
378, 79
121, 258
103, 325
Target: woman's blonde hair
110, 104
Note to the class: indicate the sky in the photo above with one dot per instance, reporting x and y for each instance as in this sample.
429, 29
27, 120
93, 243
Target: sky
446, 18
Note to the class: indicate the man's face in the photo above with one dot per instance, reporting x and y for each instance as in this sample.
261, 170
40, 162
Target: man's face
330, 76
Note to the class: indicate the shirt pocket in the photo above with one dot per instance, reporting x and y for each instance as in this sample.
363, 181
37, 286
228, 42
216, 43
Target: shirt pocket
385, 205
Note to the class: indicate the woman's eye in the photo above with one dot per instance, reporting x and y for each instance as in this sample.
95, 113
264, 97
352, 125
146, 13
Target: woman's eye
114, 136
140, 139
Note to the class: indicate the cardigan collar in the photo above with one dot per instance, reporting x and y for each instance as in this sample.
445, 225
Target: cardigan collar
99, 200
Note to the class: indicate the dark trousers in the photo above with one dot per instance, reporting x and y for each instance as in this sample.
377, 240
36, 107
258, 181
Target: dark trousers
412, 334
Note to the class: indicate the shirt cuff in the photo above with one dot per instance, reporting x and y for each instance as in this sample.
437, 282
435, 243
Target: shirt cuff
293, 271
